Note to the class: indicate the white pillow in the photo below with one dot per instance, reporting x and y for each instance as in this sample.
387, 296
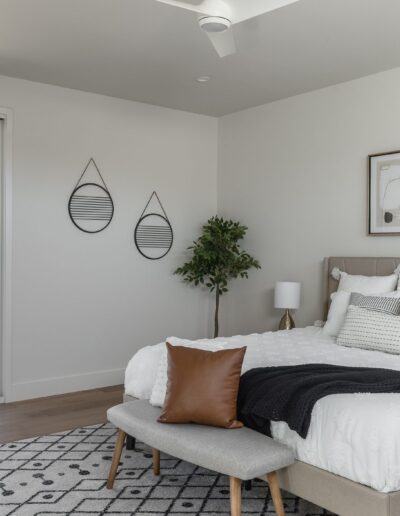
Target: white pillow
365, 284
159, 390
396, 293
338, 310
348, 283
337, 313
141, 371
366, 329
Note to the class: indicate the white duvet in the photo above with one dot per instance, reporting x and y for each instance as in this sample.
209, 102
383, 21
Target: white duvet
353, 435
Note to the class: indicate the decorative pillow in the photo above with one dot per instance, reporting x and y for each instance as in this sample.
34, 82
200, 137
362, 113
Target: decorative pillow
340, 303
367, 329
365, 284
396, 293
203, 386
337, 313
141, 371
384, 304
159, 389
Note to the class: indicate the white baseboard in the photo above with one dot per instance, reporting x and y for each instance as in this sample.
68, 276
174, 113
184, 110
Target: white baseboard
63, 384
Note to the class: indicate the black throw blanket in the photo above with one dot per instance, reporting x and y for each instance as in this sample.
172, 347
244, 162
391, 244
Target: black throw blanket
289, 393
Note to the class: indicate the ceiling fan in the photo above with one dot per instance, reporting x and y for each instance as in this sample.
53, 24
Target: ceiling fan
216, 17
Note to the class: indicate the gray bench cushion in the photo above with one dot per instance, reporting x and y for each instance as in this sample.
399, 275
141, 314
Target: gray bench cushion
241, 453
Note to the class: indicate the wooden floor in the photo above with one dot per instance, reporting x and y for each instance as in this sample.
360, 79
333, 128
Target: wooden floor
43, 416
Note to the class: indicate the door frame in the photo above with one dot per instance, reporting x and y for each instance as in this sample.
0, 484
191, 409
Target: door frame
6, 115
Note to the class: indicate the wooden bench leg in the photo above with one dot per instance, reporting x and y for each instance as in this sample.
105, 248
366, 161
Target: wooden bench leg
156, 461
236, 496
275, 490
116, 457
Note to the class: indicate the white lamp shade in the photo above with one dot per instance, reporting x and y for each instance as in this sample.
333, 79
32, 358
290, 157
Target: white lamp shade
287, 294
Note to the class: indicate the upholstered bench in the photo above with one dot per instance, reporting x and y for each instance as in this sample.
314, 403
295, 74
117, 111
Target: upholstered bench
242, 454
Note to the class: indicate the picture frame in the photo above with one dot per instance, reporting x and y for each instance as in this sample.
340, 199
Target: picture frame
384, 194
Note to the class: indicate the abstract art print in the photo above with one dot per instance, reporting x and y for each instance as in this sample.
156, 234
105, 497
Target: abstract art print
384, 194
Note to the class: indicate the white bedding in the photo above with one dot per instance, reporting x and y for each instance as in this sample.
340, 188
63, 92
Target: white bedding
353, 435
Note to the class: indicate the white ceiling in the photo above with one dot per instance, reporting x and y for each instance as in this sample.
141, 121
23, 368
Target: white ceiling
150, 52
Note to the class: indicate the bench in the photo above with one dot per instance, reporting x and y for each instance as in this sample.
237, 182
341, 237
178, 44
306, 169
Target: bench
242, 454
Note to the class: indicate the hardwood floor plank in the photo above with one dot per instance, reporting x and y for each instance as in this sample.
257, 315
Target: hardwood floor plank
41, 416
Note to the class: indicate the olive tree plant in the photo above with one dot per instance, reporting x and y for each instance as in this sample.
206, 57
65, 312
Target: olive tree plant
217, 258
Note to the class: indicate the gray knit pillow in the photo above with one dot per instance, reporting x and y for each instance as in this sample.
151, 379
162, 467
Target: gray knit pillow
387, 305
367, 329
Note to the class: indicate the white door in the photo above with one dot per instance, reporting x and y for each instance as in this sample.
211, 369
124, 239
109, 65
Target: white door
1, 254
5, 251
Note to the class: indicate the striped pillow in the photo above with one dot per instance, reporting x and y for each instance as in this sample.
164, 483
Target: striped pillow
387, 305
367, 329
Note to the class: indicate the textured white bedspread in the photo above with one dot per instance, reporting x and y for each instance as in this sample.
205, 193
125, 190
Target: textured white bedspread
353, 435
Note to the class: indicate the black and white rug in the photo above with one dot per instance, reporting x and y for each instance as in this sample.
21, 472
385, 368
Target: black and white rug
65, 473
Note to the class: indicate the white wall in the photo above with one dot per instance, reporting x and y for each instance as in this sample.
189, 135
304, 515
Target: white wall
295, 171
82, 304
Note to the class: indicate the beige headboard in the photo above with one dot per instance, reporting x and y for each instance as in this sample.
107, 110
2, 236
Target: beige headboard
365, 266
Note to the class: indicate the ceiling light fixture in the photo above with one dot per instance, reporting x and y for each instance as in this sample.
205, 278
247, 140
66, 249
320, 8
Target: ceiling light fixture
203, 78
214, 23
216, 17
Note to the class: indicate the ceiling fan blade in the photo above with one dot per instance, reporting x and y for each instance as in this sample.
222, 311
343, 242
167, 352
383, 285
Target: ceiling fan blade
244, 10
223, 42
207, 7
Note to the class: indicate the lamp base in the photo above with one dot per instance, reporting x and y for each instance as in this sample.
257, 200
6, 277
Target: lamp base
287, 322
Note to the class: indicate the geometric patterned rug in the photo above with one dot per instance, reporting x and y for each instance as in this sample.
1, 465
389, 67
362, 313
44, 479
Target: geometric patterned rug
65, 473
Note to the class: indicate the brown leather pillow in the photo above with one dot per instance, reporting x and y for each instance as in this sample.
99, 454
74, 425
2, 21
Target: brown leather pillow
203, 386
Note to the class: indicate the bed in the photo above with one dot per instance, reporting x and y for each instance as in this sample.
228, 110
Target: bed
333, 470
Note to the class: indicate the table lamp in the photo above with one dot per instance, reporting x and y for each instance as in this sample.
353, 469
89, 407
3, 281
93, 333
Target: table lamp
287, 296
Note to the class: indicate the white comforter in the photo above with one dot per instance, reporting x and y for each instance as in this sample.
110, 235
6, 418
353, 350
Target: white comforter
353, 435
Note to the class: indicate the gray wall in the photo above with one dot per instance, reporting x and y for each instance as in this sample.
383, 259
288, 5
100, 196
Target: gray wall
82, 304
295, 172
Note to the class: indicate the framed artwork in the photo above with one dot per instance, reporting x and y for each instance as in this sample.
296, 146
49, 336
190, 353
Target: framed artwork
384, 194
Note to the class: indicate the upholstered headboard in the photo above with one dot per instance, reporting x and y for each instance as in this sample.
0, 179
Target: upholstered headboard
365, 266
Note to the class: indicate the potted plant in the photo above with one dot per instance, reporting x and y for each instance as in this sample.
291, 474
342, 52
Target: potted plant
217, 258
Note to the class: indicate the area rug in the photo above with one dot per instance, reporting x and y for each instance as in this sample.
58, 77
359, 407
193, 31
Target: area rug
65, 473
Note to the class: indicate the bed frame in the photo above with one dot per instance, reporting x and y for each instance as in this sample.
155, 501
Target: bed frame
332, 492
338, 494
